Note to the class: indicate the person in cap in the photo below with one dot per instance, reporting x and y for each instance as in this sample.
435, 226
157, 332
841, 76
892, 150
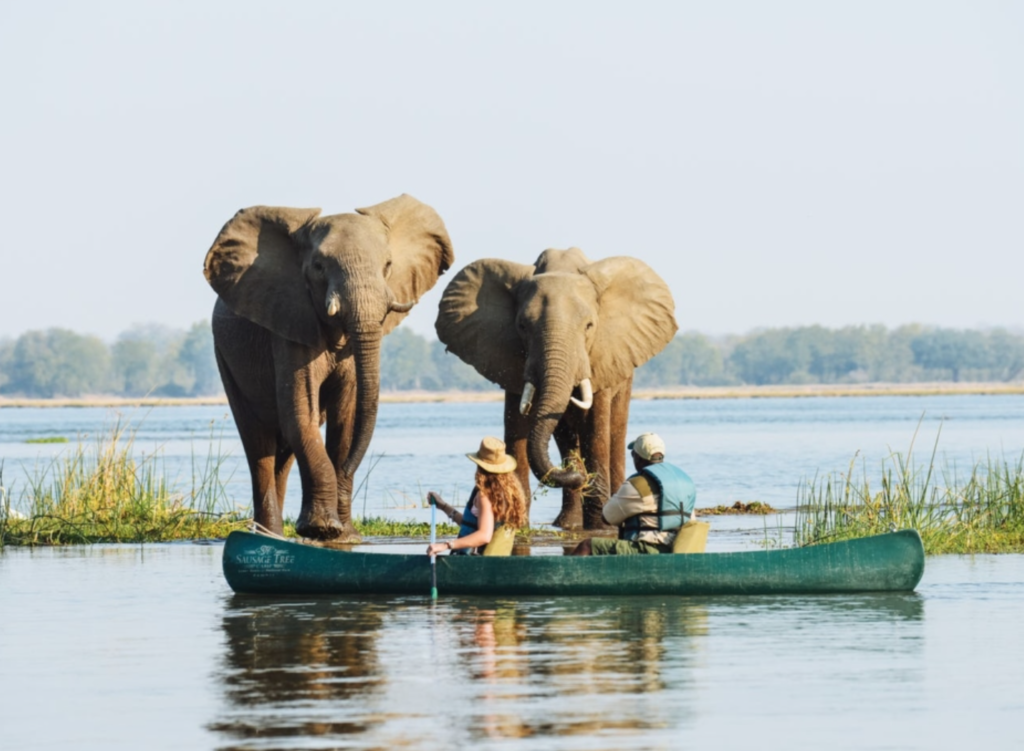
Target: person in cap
649, 508
497, 499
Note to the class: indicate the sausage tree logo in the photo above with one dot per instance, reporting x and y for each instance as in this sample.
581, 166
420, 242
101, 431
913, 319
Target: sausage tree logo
265, 557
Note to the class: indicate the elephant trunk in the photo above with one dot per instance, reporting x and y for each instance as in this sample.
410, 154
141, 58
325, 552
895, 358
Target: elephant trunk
555, 390
367, 360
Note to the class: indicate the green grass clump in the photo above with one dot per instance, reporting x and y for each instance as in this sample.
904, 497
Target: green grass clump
980, 511
377, 526
103, 493
48, 439
754, 508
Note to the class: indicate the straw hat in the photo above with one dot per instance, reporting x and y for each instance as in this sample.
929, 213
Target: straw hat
492, 456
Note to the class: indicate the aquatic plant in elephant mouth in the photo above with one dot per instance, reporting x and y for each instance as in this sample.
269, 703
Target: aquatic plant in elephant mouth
303, 302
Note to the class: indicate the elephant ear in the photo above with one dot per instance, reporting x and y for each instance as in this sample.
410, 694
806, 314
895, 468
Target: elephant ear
636, 319
477, 320
571, 261
420, 249
255, 265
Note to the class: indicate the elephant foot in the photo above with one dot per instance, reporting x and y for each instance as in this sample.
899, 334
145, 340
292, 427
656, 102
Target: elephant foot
320, 526
569, 519
349, 535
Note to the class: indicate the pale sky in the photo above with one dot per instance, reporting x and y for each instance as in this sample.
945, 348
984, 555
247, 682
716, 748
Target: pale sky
778, 163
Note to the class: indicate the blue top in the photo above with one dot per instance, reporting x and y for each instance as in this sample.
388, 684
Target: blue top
471, 524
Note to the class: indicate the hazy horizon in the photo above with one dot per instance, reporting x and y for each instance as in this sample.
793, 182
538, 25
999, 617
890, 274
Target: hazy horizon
779, 164
431, 335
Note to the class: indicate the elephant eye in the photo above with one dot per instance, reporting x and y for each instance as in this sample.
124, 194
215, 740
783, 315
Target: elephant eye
318, 267
590, 325
387, 269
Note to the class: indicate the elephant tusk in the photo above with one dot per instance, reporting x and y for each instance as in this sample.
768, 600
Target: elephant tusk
401, 307
587, 392
527, 400
333, 304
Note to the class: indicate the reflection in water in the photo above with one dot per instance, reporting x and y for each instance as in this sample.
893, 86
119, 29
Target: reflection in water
290, 664
391, 672
574, 650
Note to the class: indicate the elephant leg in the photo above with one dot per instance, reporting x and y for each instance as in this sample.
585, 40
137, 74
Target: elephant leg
282, 467
618, 425
299, 410
567, 439
260, 445
517, 431
594, 445
339, 398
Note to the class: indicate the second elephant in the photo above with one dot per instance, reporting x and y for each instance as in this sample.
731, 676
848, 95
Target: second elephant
562, 337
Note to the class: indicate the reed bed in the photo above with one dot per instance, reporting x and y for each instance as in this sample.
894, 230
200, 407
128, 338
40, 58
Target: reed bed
980, 510
104, 491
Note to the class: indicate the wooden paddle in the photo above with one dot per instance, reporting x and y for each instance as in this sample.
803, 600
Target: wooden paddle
433, 539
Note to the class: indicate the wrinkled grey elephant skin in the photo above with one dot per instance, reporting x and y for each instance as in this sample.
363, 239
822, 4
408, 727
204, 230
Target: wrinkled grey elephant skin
303, 302
562, 337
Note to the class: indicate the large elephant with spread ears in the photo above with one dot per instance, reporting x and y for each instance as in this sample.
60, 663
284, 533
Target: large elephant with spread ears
303, 303
562, 337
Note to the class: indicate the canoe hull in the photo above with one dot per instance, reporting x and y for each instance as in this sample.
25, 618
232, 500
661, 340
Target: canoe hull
884, 563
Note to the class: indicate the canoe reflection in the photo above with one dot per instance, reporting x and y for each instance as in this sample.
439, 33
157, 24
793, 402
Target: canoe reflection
386, 672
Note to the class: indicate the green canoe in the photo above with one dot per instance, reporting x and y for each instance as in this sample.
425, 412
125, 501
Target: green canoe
885, 563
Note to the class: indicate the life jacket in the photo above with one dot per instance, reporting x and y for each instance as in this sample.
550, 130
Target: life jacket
676, 498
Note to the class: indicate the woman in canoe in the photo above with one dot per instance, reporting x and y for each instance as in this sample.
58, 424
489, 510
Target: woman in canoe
497, 499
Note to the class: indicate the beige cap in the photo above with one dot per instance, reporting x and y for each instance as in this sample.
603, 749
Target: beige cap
647, 445
492, 456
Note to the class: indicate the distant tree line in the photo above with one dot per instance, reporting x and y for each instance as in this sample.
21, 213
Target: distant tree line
409, 361
145, 360
854, 354
810, 354
155, 360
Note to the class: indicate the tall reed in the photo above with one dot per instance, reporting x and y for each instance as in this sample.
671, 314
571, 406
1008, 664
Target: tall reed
107, 492
978, 511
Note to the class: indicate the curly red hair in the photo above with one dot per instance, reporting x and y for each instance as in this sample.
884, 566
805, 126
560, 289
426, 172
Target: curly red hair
505, 492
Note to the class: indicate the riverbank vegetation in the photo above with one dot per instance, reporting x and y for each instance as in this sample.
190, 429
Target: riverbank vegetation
156, 361
977, 509
104, 491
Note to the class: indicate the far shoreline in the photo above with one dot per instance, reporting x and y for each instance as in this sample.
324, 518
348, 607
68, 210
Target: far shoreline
678, 392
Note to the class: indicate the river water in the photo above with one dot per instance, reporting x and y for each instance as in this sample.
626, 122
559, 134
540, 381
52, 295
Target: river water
120, 646
735, 449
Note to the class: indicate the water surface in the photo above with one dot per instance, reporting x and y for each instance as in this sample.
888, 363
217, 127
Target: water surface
145, 647
735, 449
119, 646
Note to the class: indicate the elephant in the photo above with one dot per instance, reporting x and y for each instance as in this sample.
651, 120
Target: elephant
545, 333
303, 302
